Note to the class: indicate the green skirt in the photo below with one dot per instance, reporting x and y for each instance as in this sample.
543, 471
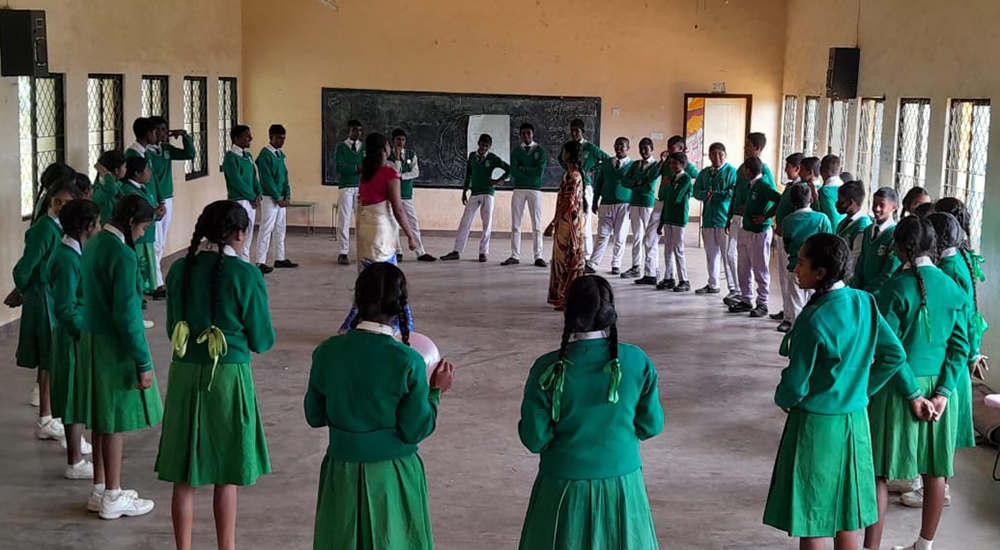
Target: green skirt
373, 506
965, 432
589, 514
34, 338
211, 437
905, 447
63, 380
146, 253
118, 404
823, 481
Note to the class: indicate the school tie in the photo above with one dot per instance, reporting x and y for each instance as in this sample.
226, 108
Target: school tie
618, 163
527, 148
354, 146
875, 233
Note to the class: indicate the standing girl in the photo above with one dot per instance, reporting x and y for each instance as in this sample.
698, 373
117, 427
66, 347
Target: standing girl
372, 393
913, 199
113, 350
877, 262
107, 187
567, 228
137, 176
212, 430
933, 328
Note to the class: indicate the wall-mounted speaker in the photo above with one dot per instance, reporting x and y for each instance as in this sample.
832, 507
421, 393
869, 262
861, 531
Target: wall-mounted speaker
23, 49
842, 74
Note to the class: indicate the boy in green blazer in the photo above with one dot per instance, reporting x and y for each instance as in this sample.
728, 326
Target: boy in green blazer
407, 166
714, 188
162, 156
591, 158
479, 178
829, 171
242, 180
675, 194
611, 204
276, 196
527, 166
799, 225
877, 260
850, 198
347, 159
760, 202
641, 178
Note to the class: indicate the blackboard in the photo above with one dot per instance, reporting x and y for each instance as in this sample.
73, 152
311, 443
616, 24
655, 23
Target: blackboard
436, 125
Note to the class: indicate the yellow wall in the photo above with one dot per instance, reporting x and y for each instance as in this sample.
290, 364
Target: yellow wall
638, 56
177, 38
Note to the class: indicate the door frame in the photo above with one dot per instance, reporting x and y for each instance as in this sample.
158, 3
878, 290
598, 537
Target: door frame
707, 95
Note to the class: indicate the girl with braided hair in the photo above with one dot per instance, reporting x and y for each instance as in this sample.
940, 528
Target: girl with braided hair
217, 314
372, 393
136, 182
933, 328
586, 407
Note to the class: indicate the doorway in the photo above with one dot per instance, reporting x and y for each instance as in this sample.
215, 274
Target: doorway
710, 118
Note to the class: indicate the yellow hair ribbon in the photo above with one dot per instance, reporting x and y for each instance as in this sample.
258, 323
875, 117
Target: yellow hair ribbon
554, 379
614, 368
179, 339
217, 347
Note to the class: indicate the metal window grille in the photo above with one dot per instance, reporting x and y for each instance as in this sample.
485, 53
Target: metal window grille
104, 116
836, 128
911, 152
788, 120
41, 129
156, 96
810, 126
195, 122
870, 140
965, 165
228, 113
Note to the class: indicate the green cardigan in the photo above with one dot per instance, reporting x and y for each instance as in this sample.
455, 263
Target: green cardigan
676, 196
722, 182
955, 267
161, 161
273, 174
346, 162
742, 191
63, 274
762, 200
527, 167
827, 203
609, 185
479, 173
877, 261
39, 241
242, 181
107, 191
799, 226
146, 192
641, 178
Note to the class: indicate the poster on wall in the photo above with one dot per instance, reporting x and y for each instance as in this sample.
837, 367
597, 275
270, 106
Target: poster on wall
498, 128
694, 130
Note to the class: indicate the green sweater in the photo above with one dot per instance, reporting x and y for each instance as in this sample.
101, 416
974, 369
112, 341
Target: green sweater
785, 206
242, 181
799, 226
146, 192
827, 203
591, 158
722, 183
641, 178
945, 349
405, 167
372, 394
849, 229
161, 160
39, 241
956, 268
273, 174
112, 299
667, 177
742, 191
609, 185
762, 200
107, 191
527, 167
241, 311
877, 261
63, 275
592, 439
479, 173
147, 154
840, 352
347, 163
676, 196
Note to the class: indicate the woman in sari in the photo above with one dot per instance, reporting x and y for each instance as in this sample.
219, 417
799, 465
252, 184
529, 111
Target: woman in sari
567, 228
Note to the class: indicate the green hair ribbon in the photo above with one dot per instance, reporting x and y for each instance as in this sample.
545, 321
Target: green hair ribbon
179, 339
981, 324
614, 368
217, 347
554, 379
925, 319
977, 267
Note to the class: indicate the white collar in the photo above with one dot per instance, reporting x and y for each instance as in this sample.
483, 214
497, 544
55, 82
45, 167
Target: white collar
886, 224
834, 181
857, 215
206, 246
135, 184
803, 209
530, 145
921, 261
624, 161
377, 328
949, 252
838, 285
759, 176
237, 150
54, 218
154, 147
582, 142
796, 180
816, 183
72, 243
650, 160
138, 148
273, 149
116, 232
350, 142
595, 335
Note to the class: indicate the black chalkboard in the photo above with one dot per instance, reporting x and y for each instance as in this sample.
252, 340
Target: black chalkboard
436, 125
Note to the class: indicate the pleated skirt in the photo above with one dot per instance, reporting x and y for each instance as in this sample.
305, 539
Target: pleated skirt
905, 447
118, 405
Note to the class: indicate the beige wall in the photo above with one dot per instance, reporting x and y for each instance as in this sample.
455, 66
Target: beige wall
639, 57
190, 37
912, 48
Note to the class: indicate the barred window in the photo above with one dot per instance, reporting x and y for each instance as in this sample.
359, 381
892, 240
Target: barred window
788, 120
195, 122
810, 126
836, 128
870, 140
911, 150
104, 116
228, 113
965, 165
42, 130
155, 96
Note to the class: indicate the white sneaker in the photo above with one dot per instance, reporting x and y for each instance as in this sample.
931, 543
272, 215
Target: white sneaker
904, 485
51, 430
148, 324
97, 497
36, 398
128, 504
81, 470
85, 448
915, 499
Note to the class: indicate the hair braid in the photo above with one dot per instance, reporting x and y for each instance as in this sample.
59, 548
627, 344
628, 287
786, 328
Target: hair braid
911, 255
404, 321
189, 259
966, 255
613, 340
564, 344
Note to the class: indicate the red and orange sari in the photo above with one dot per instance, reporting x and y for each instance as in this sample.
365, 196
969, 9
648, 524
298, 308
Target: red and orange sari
567, 238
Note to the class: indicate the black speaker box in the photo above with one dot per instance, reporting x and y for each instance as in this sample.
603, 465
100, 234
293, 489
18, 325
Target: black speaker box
842, 74
23, 50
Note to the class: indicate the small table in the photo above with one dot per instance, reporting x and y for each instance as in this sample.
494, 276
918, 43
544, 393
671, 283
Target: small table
311, 227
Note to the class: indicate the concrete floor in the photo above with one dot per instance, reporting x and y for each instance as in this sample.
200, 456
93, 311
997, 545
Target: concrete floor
707, 474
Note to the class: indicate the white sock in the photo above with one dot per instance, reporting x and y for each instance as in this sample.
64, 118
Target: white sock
112, 494
98, 487
43, 420
923, 544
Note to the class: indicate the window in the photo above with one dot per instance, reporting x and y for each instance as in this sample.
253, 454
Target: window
810, 126
228, 113
104, 116
789, 113
155, 96
195, 122
836, 128
965, 165
911, 151
42, 128
870, 140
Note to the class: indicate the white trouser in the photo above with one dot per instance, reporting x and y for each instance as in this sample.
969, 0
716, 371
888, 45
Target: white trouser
612, 223
273, 221
346, 203
252, 214
733, 276
798, 297
673, 251
754, 253
162, 229
533, 198
588, 221
642, 225
483, 203
717, 248
410, 210
783, 276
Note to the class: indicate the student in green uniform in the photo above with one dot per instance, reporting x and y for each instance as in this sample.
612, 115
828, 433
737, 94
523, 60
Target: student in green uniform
277, 195
676, 195
738, 236
242, 180
586, 407
145, 147
877, 261
641, 178
114, 353
54, 172
793, 170
676, 144
591, 159
850, 198
80, 220
829, 172
611, 204
755, 239
527, 166
407, 165
479, 178
714, 188
162, 156
800, 224
137, 178
107, 187
371, 392
840, 352
217, 314
914, 199
929, 313
347, 160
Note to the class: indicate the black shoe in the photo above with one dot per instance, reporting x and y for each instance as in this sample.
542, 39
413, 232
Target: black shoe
587, 270
285, 264
426, 258
342, 260
666, 284
732, 299
449, 257
631, 273
785, 326
399, 257
511, 261
615, 271
707, 290
541, 263
777, 316
759, 311
647, 280
159, 294
483, 258
740, 307
682, 286
264, 268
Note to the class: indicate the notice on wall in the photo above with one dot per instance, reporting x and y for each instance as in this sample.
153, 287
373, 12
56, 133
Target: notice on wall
498, 128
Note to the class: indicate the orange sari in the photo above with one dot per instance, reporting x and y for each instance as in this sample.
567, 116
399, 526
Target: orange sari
567, 238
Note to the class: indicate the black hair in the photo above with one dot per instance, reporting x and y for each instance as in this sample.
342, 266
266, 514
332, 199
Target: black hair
625, 139
957, 208
830, 252
131, 210
216, 223
374, 148
831, 164
276, 130
800, 195
83, 184
947, 229
527, 126
916, 237
795, 159
158, 120
485, 138
717, 146
912, 195
134, 166
679, 157
853, 191
354, 123
887, 193
577, 123
57, 178
381, 290
674, 140
142, 126
238, 131
812, 164
847, 176
398, 132
754, 166
758, 139
646, 141
112, 160
924, 210
574, 149
590, 307
78, 216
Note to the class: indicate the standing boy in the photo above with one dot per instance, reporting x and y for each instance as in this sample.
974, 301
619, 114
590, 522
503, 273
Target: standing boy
793, 172
277, 194
347, 159
527, 165
591, 158
676, 144
145, 147
641, 178
755, 238
161, 156
242, 181
798, 225
829, 170
479, 178
611, 204
850, 197
676, 196
405, 162
714, 187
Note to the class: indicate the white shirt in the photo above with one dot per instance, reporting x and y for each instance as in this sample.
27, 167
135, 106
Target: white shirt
414, 172
138, 148
857, 216
529, 146
595, 335
72, 243
273, 150
227, 250
114, 231
921, 261
351, 142
838, 285
834, 181
136, 185
376, 328
623, 162
54, 218
803, 209
949, 252
237, 150
885, 225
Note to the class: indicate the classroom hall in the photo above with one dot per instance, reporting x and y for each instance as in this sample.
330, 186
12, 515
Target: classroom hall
444, 71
